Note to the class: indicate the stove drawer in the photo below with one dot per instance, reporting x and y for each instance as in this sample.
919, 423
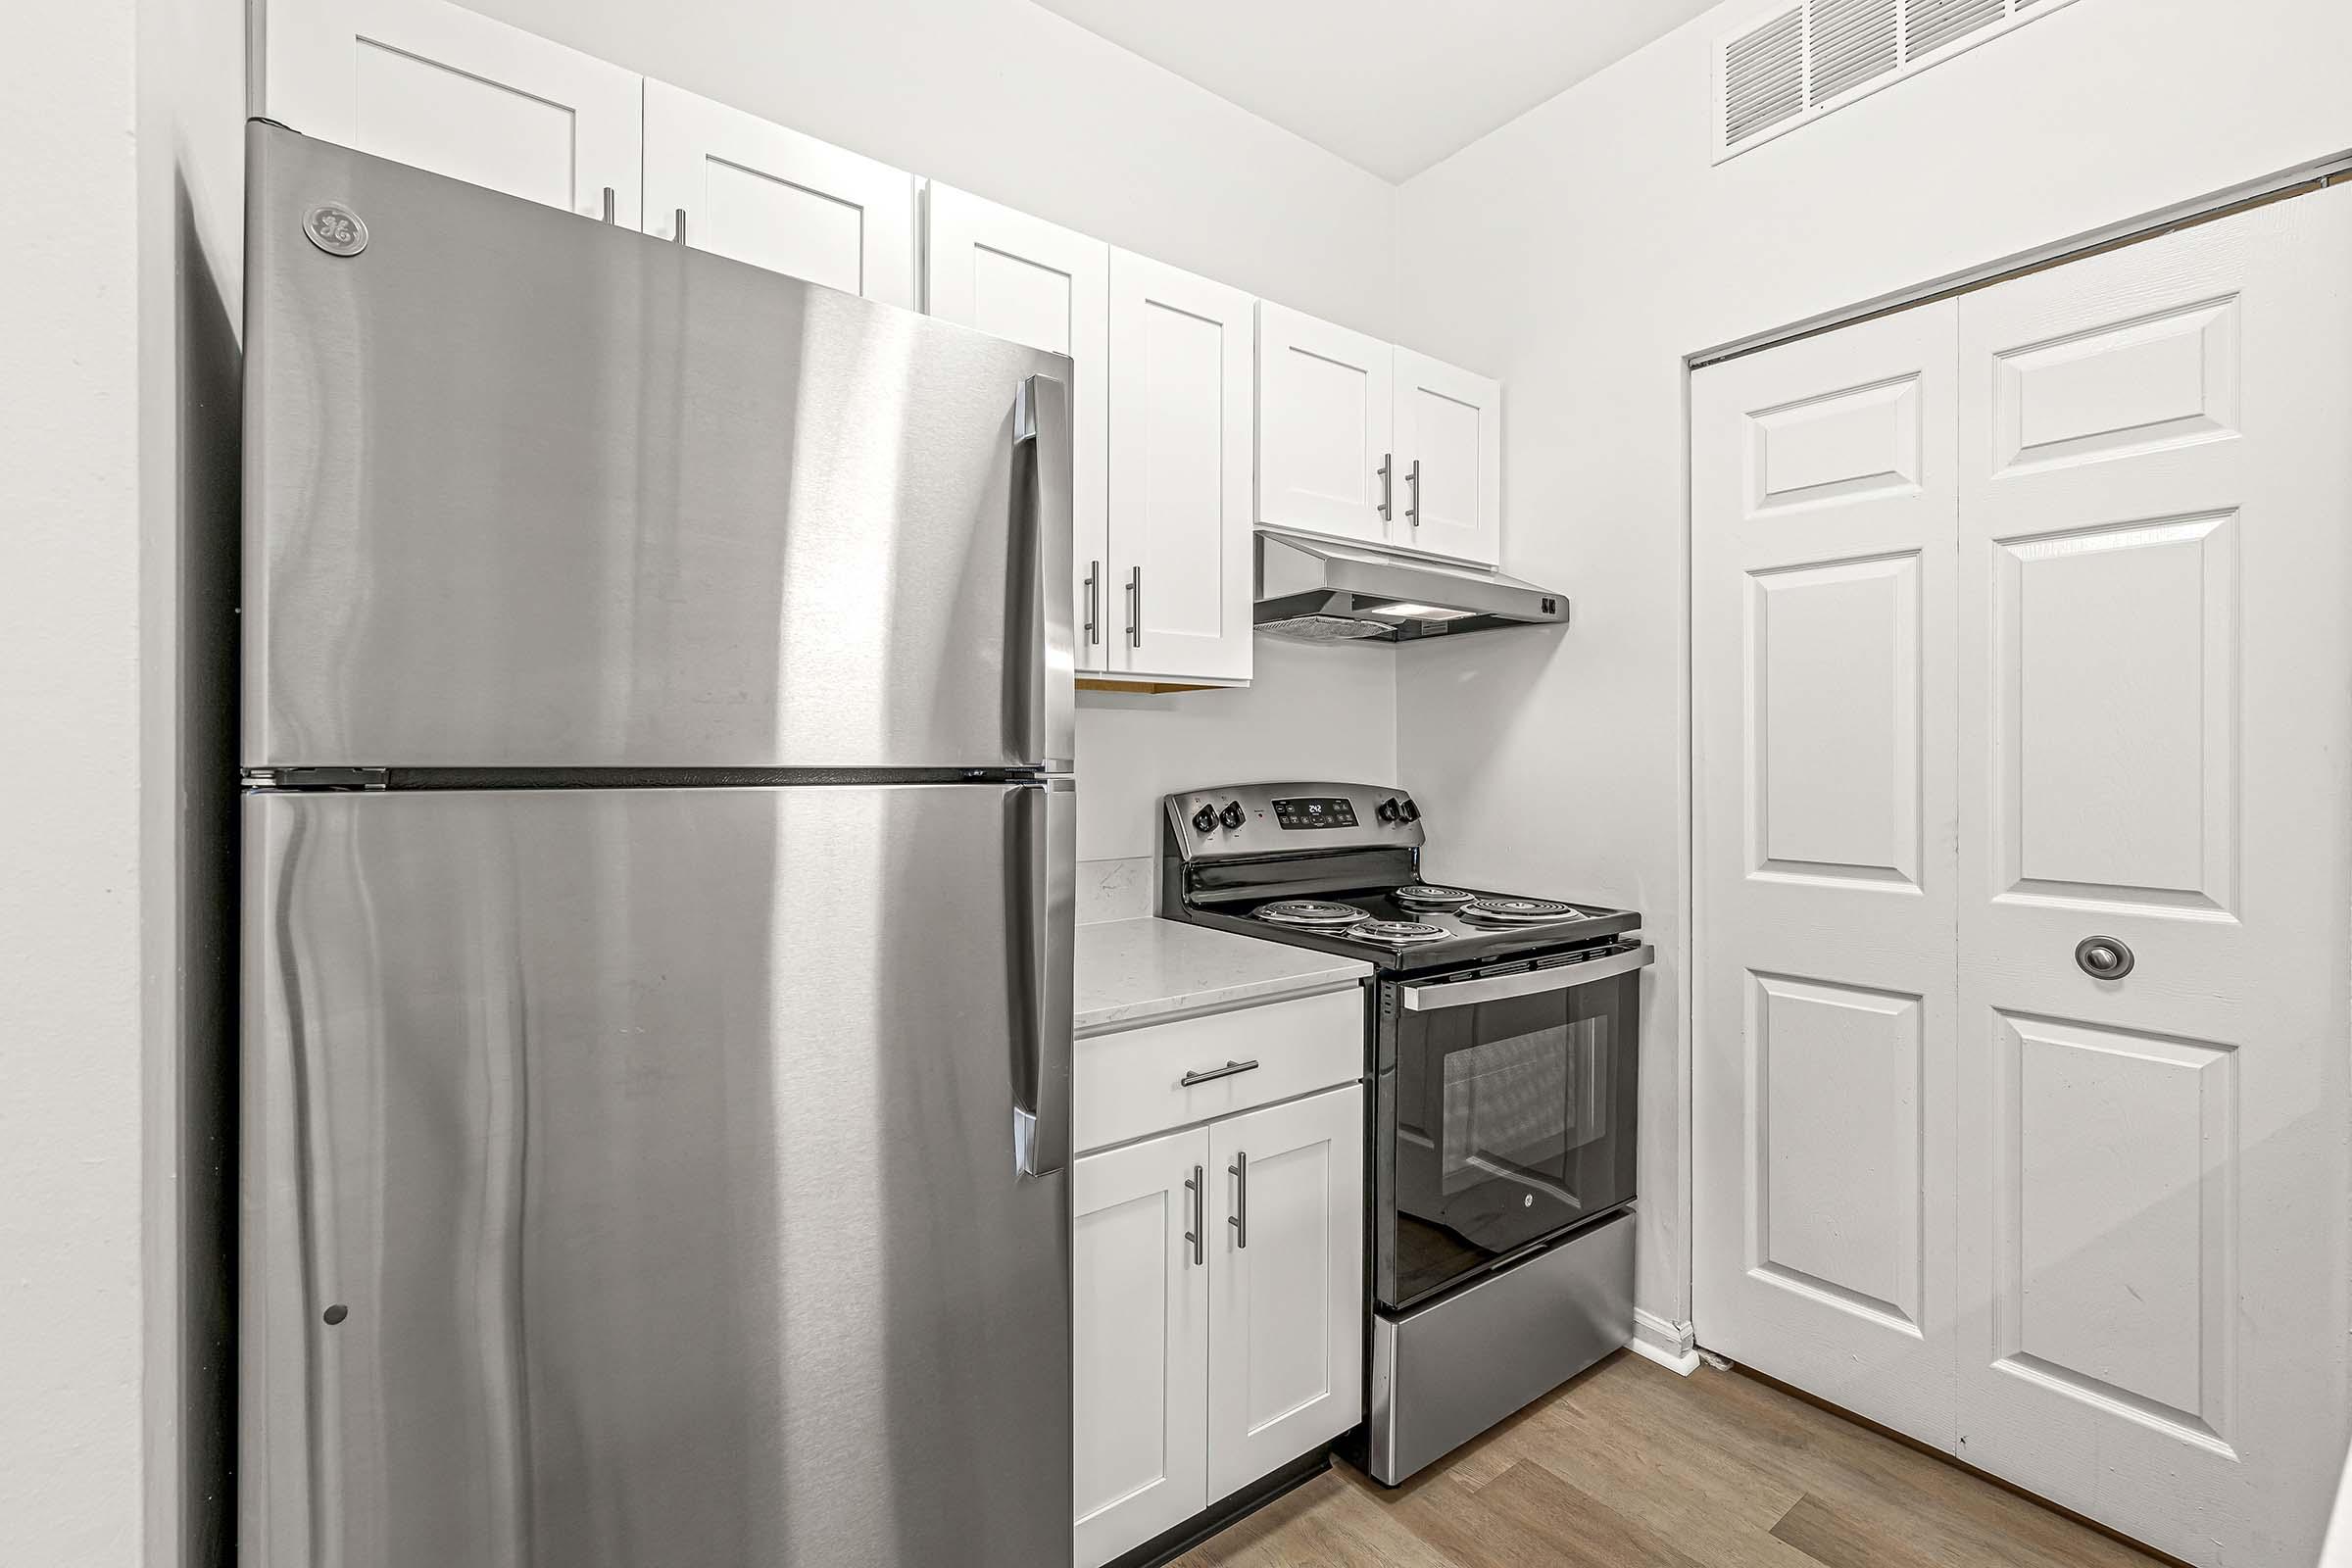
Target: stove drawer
1132, 1083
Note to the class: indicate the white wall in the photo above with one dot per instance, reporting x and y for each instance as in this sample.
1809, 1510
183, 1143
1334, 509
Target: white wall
191, 97
1010, 101
1582, 250
69, 792
117, 393
1315, 712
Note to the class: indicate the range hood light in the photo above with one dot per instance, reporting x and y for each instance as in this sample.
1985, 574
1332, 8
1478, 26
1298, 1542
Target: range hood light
1415, 612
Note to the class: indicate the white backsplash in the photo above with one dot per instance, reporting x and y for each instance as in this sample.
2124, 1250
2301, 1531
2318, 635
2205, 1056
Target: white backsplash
1114, 890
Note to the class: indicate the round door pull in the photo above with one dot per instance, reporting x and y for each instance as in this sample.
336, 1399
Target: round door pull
2103, 957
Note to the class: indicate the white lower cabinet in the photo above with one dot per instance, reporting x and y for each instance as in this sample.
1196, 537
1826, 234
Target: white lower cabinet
1286, 1287
1139, 1341
1217, 1318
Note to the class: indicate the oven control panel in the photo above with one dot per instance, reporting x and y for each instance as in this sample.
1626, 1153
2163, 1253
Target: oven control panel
1293, 813
1242, 819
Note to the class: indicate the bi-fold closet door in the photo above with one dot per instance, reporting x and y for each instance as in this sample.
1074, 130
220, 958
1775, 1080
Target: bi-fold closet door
2020, 645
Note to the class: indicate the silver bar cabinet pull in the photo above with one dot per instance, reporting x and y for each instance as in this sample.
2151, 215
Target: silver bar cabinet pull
1412, 514
1134, 609
1385, 496
1198, 1184
1093, 602
607, 204
680, 235
1213, 1074
1239, 1170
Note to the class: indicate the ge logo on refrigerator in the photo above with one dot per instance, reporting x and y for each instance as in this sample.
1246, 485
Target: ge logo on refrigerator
335, 229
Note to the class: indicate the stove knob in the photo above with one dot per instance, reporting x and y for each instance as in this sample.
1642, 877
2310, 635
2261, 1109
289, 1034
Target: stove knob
1412, 812
1232, 815
1387, 809
1205, 819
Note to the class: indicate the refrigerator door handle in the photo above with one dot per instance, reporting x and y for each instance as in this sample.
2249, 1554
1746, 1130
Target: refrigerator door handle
1047, 702
1044, 825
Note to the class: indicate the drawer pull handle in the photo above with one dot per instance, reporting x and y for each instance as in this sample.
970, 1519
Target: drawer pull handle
1215, 1073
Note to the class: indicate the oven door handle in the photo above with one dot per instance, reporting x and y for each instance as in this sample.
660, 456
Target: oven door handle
1435, 994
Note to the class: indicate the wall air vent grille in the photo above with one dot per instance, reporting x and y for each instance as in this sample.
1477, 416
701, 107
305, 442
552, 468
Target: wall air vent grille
1853, 41
1791, 64
1764, 76
1933, 24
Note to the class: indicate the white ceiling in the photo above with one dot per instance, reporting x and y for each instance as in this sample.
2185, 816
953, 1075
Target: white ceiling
1394, 85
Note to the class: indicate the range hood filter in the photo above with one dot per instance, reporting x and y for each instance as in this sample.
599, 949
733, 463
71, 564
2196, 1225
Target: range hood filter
1324, 628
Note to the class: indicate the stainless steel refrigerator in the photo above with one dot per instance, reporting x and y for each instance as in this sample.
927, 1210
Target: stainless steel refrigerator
657, 903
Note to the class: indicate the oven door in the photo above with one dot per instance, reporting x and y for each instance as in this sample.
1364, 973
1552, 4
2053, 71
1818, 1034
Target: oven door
1504, 1114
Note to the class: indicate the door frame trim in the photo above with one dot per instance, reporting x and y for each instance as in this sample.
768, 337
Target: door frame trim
2303, 180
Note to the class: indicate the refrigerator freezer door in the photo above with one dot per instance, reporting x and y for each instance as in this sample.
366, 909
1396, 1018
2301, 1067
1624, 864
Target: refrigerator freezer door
636, 1177
526, 490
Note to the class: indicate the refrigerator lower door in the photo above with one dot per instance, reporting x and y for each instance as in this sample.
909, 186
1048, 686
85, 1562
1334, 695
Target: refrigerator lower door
664, 1178
527, 490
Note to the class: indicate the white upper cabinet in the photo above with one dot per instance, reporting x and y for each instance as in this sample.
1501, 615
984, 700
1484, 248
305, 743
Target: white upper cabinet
1180, 473
750, 189
1362, 441
1450, 461
1138, 1320
446, 90
1022, 279
1324, 419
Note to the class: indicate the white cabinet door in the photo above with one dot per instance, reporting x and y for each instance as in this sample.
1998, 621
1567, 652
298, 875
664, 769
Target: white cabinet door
1180, 472
449, 90
1448, 459
1034, 282
752, 190
1287, 1283
1139, 1341
2155, 564
1325, 411
1824, 518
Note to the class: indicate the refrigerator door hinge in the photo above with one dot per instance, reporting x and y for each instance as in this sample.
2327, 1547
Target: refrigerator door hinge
317, 778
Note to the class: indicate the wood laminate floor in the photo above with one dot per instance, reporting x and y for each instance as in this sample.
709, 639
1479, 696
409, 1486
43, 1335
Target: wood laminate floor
1629, 1465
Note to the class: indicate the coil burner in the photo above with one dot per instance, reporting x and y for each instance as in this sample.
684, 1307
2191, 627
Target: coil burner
1316, 913
1519, 912
1398, 933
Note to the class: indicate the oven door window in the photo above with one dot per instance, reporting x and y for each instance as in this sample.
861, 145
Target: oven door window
1513, 1122
1516, 1109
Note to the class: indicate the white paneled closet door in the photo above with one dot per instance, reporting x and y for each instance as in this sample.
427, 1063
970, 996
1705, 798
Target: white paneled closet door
2156, 701
1824, 500
2032, 1139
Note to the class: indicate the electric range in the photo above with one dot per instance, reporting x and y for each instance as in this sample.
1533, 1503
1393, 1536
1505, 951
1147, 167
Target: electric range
1501, 1064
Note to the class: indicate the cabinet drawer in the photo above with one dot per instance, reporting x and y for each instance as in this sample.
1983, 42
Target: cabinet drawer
1129, 1084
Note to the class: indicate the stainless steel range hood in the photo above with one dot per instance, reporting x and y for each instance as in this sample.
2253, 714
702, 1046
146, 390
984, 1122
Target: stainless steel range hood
1314, 590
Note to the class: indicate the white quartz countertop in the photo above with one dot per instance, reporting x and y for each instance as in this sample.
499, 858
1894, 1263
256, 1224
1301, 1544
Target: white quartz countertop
1133, 972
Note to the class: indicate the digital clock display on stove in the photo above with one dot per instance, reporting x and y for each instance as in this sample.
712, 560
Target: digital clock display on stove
1333, 810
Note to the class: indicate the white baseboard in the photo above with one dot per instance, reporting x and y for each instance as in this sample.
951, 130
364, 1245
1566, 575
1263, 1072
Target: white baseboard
1671, 1345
